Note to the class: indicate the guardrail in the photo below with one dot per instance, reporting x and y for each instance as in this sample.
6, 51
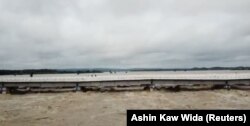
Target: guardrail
103, 85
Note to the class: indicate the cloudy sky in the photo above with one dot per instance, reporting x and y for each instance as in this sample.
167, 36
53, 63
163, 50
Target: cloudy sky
124, 33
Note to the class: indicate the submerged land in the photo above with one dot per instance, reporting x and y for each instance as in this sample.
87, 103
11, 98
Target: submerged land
108, 108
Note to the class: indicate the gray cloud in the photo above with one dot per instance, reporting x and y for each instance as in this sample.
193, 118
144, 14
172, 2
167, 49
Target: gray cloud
118, 33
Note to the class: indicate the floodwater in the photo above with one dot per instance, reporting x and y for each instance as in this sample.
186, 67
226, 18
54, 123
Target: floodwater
211, 74
108, 108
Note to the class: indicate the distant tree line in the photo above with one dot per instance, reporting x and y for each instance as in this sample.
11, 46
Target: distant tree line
44, 71
111, 71
191, 69
222, 68
20, 72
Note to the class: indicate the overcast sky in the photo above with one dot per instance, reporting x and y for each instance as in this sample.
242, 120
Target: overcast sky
124, 33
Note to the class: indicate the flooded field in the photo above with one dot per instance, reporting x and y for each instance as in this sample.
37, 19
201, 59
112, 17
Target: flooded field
210, 74
108, 108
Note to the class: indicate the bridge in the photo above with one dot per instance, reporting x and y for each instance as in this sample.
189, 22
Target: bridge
128, 81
